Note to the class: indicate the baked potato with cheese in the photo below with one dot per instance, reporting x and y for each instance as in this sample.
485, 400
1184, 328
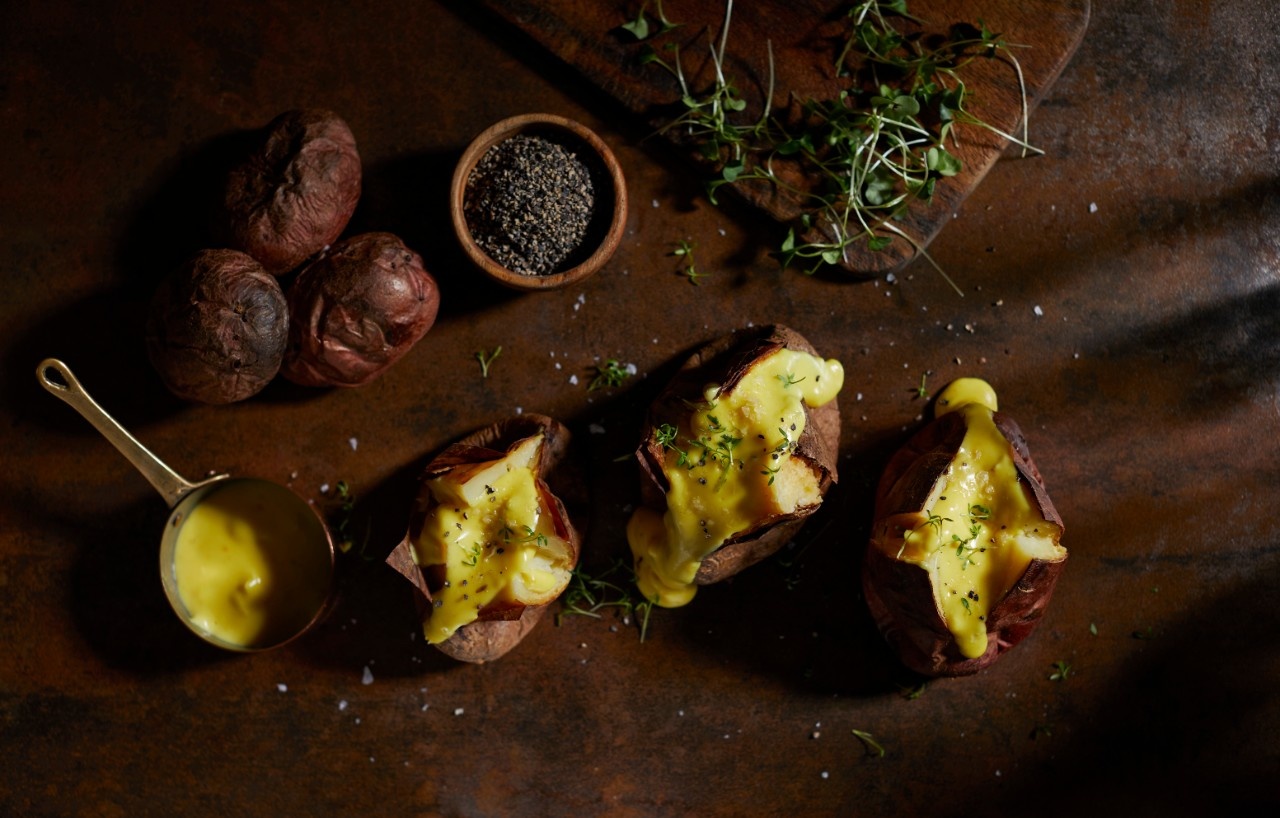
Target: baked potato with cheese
738, 451
489, 546
965, 545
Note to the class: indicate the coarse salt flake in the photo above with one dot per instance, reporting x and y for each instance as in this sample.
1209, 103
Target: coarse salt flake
596, 429
458, 711
1038, 311
342, 705
282, 687
367, 677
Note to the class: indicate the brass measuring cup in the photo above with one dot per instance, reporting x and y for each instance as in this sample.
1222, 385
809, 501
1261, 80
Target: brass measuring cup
183, 496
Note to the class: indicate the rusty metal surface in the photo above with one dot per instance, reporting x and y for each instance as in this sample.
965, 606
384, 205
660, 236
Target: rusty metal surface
1121, 293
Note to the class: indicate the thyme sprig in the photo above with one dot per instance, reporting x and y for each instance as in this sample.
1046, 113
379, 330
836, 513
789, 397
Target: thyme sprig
590, 596
609, 374
689, 269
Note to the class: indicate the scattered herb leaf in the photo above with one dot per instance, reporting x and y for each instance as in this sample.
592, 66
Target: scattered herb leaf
486, 359
610, 374
869, 742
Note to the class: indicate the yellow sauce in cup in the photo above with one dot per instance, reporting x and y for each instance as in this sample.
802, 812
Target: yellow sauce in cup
252, 564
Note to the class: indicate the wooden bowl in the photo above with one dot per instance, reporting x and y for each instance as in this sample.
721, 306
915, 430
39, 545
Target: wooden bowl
608, 219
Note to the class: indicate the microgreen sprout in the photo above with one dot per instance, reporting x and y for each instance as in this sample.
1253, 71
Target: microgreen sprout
684, 251
879, 146
639, 27
486, 359
789, 380
610, 374
873, 747
1061, 670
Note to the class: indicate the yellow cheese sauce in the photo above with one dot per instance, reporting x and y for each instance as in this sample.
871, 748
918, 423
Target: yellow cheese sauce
729, 466
252, 564
981, 527
493, 539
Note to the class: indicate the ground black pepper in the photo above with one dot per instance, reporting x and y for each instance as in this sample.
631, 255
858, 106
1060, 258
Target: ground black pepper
528, 203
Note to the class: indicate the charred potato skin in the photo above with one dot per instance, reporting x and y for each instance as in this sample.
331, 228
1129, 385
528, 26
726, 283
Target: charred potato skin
217, 327
725, 361
295, 192
357, 310
499, 629
900, 596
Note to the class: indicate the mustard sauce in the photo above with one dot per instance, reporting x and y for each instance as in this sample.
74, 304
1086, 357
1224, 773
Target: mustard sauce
496, 542
729, 466
982, 528
252, 564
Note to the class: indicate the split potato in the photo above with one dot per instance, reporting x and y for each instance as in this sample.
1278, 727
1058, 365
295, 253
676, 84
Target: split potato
739, 450
489, 546
965, 545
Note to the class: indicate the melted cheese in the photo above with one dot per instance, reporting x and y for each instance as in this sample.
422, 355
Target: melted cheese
729, 467
981, 527
252, 564
492, 539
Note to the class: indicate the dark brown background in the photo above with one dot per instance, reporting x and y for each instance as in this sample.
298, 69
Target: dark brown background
1121, 293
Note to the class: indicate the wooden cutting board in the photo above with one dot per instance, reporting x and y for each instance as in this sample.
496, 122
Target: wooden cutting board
805, 37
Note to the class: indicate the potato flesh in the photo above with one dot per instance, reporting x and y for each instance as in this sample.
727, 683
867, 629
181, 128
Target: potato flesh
729, 468
978, 532
490, 532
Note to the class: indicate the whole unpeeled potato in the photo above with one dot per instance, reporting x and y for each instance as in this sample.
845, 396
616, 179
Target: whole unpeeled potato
357, 310
217, 328
293, 195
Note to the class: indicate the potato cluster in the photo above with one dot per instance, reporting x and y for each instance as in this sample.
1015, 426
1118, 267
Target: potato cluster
223, 325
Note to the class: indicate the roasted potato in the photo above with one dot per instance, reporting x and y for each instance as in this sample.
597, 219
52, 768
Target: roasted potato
216, 328
489, 547
357, 310
738, 451
294, 193
964, 551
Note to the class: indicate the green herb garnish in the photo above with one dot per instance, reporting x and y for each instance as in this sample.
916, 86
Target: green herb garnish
486, 359
1061, 670
639, 26
875, 149
689, 270
610, 374
869, 742
590, 596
